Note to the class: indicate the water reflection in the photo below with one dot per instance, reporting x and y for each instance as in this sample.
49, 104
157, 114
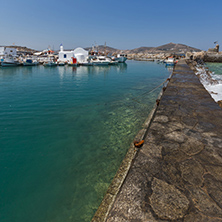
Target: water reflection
89, 70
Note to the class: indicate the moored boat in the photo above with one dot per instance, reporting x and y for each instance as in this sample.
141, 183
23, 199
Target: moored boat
30, 62
50, 63
121, 58
170, 62
10, 61
101, 61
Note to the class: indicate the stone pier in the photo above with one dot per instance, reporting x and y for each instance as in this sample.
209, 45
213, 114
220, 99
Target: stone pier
177, 174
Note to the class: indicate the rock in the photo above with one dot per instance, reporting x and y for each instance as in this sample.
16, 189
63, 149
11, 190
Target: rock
168, 202
192, 172
175, 136
204, 203
198, 217
192, 146
214, 189
161, 119
220, 103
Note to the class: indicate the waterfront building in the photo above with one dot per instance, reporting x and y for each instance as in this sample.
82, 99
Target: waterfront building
65, 56
81, 55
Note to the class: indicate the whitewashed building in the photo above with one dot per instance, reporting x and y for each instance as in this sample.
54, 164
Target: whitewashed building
65, 56
79, 53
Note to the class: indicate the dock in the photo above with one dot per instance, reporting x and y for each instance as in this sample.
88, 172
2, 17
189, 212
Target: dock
177, 174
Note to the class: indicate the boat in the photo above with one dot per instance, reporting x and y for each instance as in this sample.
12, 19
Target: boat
50, 63
113, 62
30, 62
121, 58
86, 63
170, 62
101, 61
61, 63
10, 61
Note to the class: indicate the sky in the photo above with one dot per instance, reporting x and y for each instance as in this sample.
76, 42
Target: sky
122, 24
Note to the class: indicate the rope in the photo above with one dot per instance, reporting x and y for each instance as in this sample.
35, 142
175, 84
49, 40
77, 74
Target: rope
148, 92
135, 99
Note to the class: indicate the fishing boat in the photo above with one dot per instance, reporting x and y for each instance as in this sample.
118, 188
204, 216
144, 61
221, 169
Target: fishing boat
101, 61
10, 61
50, 63
61, 63
30, 62
121, 58
113, 62
170, 62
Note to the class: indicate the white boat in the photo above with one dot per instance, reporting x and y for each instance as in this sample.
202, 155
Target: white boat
30, 62
121, 58
170, 62
50, 63
10, 61
101, 61
61, 63
113, 62
86, 63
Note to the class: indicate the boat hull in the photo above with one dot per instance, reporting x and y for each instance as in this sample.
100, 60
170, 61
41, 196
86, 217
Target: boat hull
50, 64
9, 64
121, 59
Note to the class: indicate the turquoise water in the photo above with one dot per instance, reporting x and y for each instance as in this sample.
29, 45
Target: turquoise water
216, 68
64, 132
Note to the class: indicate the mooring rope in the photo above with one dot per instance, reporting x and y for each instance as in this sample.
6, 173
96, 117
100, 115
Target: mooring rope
148, 92
135, 99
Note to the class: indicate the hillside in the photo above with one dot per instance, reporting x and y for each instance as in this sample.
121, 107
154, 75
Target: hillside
22, 48
167, 48
102, 48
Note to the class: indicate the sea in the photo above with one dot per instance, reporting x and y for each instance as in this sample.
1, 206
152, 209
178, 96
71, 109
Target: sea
210, 76
64, 132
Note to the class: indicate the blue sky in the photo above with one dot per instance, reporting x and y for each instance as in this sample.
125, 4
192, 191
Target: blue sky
121, 24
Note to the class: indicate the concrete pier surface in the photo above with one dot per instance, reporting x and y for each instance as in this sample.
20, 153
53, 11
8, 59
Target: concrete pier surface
177, 174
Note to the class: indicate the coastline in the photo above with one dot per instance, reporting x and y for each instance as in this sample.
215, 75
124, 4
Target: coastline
212, 85
168, 166
121, 174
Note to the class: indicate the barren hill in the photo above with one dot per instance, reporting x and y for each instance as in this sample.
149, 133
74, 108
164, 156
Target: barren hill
167, 48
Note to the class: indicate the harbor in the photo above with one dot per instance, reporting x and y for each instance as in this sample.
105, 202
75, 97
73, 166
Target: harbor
9, 57
176, 174
64, 133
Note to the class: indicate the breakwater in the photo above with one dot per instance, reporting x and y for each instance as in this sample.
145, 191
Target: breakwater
176, 175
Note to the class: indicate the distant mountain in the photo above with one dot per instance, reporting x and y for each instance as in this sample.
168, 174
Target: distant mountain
102, 48
167, 48
139, 50
22, 48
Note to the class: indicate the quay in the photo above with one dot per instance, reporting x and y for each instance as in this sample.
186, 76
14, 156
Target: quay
177, 174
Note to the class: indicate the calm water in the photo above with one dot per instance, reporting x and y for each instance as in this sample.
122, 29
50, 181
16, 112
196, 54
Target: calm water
64, 132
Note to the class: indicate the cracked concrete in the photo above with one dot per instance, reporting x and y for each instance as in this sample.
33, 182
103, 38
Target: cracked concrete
177, 174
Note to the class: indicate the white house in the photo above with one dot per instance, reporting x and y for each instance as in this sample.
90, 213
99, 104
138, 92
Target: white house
65, 56
81, 54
